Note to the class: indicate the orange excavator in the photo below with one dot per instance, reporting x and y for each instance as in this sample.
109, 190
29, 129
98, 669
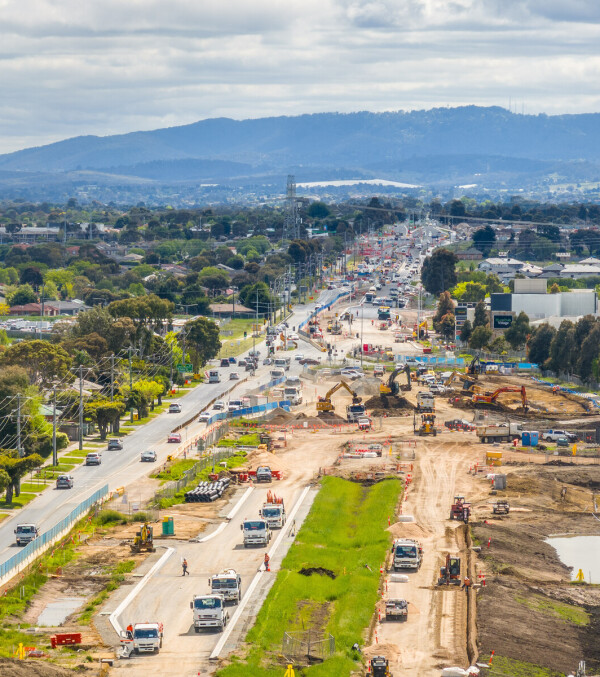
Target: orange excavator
490, 398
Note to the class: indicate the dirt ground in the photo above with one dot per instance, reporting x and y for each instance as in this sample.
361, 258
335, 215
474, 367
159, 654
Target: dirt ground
10, 667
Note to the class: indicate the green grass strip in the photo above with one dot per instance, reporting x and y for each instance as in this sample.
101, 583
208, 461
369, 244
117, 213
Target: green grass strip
345, 532
502, 666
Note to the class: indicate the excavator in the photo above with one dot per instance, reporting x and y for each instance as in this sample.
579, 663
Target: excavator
469, 383
143, 540
324, 404
421, 330
393, 388
475, 367
491, 398
450, 572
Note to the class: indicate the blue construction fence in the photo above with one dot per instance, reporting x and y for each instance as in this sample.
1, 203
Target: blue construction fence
246, 411
592, 398
323, 307
48, 537
460, 361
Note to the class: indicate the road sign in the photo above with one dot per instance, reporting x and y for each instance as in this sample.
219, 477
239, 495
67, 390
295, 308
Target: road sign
185, 367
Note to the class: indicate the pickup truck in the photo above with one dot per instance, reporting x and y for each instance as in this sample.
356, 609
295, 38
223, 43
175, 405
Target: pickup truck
554, 435
264, 474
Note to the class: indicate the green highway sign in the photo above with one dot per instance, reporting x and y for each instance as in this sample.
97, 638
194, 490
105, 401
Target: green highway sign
185, 367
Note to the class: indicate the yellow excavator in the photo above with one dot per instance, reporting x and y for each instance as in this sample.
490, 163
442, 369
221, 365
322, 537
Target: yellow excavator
324, 404
469, 382
427, 425
393, 388
143, 540
421, 331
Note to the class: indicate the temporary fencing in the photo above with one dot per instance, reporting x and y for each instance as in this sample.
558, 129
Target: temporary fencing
36, 547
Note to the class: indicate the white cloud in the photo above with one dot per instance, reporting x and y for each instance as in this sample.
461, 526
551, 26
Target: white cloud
69, 67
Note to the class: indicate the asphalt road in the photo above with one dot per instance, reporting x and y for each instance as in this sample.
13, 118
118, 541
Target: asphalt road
119, 468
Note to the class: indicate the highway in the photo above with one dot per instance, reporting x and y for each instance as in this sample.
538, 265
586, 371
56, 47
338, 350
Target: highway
119, 468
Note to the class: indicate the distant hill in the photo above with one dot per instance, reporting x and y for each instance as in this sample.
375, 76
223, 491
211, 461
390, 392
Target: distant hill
445, 144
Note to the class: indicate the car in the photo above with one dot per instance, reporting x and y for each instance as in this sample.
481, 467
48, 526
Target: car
93, 458
299, 356
175, 408
204, 416
250, 366
267, 361
232, 360
149, 456
351, 374
115, 444
64, 482
241, 363
219, 405
562, 442
174, 438
309, 361
234, 376
292, 336
225, 362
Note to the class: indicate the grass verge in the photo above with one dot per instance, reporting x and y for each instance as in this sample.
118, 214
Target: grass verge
117, 576
18, 501
569, 613
175, 470
345, 532
502, 666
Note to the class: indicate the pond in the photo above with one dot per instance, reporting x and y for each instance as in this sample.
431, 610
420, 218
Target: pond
579, 552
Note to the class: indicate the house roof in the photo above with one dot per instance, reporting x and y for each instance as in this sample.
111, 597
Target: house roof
576, 268
228, 308
590, 261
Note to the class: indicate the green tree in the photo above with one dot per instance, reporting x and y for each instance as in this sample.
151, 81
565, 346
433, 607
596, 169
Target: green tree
447, 325
16, 468
203, 336
466, 331
43, 361
104, 413
22, 295
480, 337
318, 210
538, 346
484, 239
445, 306
588, 353
481, 316
438, 273
563, 349
516, 335
4, 480
257, 297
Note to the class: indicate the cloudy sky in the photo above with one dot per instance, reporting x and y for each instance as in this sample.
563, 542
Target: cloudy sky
72, 67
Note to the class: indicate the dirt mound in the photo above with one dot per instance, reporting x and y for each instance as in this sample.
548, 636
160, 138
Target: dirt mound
369, 385
309, 571
278, 415
389, 405
406, 530
15, 668
329, 417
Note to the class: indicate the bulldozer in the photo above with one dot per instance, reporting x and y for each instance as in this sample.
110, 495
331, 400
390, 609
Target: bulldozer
325, 405
427, 425
143, 540
379, 666
393, 388
460, 510
450, 572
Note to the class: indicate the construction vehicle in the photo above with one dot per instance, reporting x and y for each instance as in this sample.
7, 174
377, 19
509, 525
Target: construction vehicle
228, 584
420, 331
475, 367
143, 540
425, 402
379, 666
500, 432
273, 511
427, 425
324, 404
450, 572
336, 329
406, 554
393, 388
396, 610
256, 532
209, 612
501, 507
460, 510
491, 398
469, 383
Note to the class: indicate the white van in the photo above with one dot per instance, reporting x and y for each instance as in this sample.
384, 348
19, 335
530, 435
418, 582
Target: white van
277, 373
214, 376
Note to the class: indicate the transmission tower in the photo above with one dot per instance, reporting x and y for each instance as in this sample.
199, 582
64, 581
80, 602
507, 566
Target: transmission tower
290, 223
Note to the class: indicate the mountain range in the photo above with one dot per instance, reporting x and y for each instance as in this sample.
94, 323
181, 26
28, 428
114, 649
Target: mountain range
438, 147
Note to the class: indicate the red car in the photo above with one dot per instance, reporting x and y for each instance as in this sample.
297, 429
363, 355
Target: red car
174, 437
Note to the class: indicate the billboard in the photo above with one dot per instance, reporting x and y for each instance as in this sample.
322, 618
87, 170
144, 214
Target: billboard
502, 321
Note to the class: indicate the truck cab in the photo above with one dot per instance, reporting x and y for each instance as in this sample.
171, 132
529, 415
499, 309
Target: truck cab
147, 637
274, 513
25, 533
228, 584
282, 363
425, 402
256, 532
209, 612
354, 412
293, 394
407, 554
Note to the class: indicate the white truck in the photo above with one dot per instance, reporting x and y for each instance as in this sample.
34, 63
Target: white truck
500, 432
425, 402
256, 532
293, 394
274, 512
214, 376
228, 584
209, 612
553, 435
147, 637
354, 412
407, 554
25, 533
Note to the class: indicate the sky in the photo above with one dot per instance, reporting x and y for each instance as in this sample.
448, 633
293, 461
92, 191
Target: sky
77, 67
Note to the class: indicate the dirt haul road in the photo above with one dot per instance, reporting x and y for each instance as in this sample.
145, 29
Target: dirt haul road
435, 633
167, 596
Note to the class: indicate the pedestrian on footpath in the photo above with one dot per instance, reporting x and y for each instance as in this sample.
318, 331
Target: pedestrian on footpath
184, 566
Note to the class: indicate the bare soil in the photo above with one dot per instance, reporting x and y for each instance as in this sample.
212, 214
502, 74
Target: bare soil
10, 667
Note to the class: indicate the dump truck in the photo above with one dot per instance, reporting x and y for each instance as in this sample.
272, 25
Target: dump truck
406, 554
256, 532
396, 610
209, 612
274, 511
500, 432
228, 584
354, 412
293, 394
425, 402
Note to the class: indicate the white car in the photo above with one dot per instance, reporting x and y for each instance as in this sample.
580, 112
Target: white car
149, 456
219, 405
299, 356
204, 416
351, 374
292, 336
174, 408
234, 376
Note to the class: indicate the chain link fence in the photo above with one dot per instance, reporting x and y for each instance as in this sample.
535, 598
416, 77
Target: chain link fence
307, 647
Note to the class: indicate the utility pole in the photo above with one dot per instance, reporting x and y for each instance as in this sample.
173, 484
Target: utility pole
112, 377
80, 407
19, 454
130, 383
54, 454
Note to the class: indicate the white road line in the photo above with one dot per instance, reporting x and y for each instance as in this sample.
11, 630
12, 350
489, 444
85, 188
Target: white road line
216, 532
239, 504
133, 594
238, 612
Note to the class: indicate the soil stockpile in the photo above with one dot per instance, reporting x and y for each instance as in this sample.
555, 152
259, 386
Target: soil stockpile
15, 668
389, 405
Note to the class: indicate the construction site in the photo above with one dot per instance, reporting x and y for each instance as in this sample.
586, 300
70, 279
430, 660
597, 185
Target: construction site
434, 466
